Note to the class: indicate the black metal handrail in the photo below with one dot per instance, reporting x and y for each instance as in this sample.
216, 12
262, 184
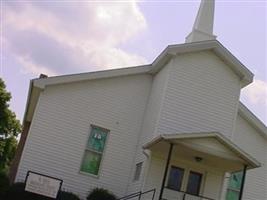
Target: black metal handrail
138, 194
130, 195
198, 196
185, 194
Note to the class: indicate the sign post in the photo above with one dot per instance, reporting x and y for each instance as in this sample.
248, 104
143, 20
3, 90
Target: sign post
43, 185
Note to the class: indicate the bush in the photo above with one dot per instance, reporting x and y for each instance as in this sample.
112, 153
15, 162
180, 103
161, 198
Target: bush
4, 183
68, 196
101, 194
17, 192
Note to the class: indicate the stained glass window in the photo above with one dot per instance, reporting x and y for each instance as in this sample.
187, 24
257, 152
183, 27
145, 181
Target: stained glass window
94, 150
97, 139
234, 186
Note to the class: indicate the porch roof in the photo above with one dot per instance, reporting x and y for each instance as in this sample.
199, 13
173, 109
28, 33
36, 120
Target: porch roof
228, 144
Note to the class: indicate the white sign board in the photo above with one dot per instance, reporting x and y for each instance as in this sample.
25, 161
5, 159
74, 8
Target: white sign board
42, 185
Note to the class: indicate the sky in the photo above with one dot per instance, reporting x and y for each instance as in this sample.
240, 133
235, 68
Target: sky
63, 37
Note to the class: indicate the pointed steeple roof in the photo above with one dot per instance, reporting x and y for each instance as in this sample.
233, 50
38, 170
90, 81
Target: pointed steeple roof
203, 26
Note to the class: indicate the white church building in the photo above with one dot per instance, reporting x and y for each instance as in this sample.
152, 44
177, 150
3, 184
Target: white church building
175, 126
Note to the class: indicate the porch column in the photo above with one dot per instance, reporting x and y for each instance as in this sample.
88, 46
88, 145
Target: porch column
166, 170
243, 182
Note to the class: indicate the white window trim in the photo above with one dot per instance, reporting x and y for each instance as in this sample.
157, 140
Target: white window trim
87, 149
140, 174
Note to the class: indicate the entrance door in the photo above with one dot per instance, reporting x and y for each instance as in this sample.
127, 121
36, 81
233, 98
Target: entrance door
185, 180
194, 183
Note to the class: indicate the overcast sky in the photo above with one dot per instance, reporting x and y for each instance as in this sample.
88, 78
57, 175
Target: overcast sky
62, 37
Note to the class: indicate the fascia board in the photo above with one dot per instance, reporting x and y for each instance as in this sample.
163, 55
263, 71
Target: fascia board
252, 119
244, 73
222, 139
246, 76
252, 161
42, 83
28, 101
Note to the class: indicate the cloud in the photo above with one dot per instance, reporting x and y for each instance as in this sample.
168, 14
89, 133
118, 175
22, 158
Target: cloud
59, 38
256, 93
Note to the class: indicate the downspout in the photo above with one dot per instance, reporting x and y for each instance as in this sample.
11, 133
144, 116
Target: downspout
147, 153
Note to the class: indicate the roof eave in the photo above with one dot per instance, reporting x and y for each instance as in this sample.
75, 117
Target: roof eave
169, 137
245, 75
28, 101
252, 119
42, 83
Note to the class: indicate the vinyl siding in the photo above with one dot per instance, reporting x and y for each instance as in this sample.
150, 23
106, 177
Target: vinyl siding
150, 122
253, 143
194, 92
202, 95
61, 125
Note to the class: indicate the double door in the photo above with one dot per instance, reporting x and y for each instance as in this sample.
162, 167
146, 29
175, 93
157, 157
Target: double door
185, 180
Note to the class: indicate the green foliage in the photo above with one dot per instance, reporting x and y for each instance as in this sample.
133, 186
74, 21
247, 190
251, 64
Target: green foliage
101, 194
68, 196
9, 125
9, 128
17, 192
7, 152
4, 184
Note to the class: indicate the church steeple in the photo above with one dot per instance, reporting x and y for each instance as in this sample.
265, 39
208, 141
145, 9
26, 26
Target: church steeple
203, 26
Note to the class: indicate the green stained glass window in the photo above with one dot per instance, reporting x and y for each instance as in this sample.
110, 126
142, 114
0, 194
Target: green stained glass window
97, 139
235, 181
234, 186
232, 195
94, 150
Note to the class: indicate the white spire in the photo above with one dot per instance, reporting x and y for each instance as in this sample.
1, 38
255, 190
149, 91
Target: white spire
203, 26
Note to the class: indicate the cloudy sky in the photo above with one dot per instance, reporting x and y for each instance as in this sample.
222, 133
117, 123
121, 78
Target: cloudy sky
62, 37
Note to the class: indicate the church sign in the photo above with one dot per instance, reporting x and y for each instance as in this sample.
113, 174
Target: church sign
42, 184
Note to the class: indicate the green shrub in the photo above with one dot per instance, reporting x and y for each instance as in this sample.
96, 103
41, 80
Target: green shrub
101, 194
4, 183
17, 192
63, 195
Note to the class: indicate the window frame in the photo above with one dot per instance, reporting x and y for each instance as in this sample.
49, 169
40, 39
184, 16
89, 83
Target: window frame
86, 149
135, 178
200, 183
229, 188
182, 181
187, 168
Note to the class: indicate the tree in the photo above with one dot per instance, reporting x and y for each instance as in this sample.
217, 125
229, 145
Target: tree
8, 148
9, 129
9, 125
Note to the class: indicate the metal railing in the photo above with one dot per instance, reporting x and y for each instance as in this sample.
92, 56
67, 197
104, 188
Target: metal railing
187, 196
139, 195
182, 195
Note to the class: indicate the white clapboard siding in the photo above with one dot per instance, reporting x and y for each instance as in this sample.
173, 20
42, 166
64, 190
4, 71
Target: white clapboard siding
202, 95
252, 142
194, 92
150, 122
61, 124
